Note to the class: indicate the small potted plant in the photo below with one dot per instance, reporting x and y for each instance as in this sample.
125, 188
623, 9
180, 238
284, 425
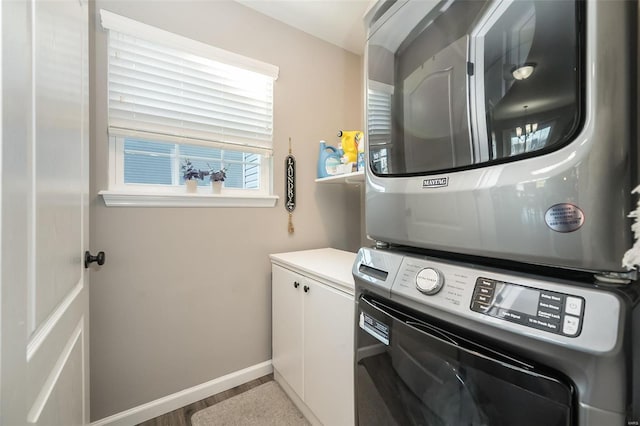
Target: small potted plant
190, 175
217, 177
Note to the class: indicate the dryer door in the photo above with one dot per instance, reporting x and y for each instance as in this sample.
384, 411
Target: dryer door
410, 372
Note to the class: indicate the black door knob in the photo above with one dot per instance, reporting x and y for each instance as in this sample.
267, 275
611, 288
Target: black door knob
296, 284
306, 288
99, 258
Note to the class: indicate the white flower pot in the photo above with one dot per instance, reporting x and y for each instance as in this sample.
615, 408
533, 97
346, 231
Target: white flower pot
191, 185
216, 186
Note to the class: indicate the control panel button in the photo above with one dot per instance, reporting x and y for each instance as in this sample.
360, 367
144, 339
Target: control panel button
548, 315
573, 306
511, 315
485, 291
549, 297
429, 281
483, 299
480, 307
550, 306
486, 283
543, 324
571, 325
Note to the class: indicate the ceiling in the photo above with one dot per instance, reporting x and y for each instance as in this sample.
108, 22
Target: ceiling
339, 22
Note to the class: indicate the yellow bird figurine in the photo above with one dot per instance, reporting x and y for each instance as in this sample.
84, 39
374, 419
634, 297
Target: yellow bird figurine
349, 144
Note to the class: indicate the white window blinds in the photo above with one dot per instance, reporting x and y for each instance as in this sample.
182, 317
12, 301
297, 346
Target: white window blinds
379, 113
166, 87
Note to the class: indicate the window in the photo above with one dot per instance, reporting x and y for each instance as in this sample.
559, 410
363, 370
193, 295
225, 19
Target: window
531, 139
155, 163
173, 99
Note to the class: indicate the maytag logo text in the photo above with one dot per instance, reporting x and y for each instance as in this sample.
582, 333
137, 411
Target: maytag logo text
435, 183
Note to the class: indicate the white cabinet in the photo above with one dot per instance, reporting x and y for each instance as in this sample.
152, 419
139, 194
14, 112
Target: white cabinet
288, 326
328, 354
313, 326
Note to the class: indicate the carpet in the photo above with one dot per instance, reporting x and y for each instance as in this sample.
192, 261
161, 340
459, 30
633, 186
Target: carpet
264, 405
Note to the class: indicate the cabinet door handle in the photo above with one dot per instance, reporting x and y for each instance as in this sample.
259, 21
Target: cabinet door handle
306, 288
296, 284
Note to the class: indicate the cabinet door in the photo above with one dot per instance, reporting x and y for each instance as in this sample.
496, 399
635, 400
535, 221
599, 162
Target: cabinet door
287, 326
328, 350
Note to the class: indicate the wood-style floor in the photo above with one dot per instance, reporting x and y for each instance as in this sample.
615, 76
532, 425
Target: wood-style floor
182, 416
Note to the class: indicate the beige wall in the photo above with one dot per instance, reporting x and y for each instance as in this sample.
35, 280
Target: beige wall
185, 295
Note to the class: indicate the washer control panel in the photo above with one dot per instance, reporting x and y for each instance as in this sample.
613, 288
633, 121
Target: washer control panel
550, 310
545, 310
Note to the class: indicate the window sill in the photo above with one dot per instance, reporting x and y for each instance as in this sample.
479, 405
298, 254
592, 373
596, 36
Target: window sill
124, 198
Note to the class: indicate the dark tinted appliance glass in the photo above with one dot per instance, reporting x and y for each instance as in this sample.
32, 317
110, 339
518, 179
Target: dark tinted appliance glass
410, 372
470, 82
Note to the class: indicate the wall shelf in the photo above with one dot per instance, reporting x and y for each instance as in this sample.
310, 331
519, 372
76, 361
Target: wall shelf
355, 178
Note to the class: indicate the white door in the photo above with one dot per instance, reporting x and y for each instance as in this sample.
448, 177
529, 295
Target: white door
436, 135
44, 320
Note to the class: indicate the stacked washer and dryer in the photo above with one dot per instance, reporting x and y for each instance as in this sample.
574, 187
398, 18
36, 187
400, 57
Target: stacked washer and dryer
502, 144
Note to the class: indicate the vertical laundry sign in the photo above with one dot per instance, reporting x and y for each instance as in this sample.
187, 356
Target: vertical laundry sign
290, 186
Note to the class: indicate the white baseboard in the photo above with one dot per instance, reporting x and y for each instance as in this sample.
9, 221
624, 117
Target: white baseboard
163, 405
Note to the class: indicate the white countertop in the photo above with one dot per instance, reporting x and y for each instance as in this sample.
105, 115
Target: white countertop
325, 264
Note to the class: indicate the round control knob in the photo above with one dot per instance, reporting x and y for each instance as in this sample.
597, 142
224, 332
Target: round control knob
429, 281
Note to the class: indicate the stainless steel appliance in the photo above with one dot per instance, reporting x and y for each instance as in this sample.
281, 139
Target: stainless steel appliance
504, 129
451, 343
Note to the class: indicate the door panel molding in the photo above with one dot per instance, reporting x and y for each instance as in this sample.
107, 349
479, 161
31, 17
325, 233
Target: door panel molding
50, 383
47, 326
